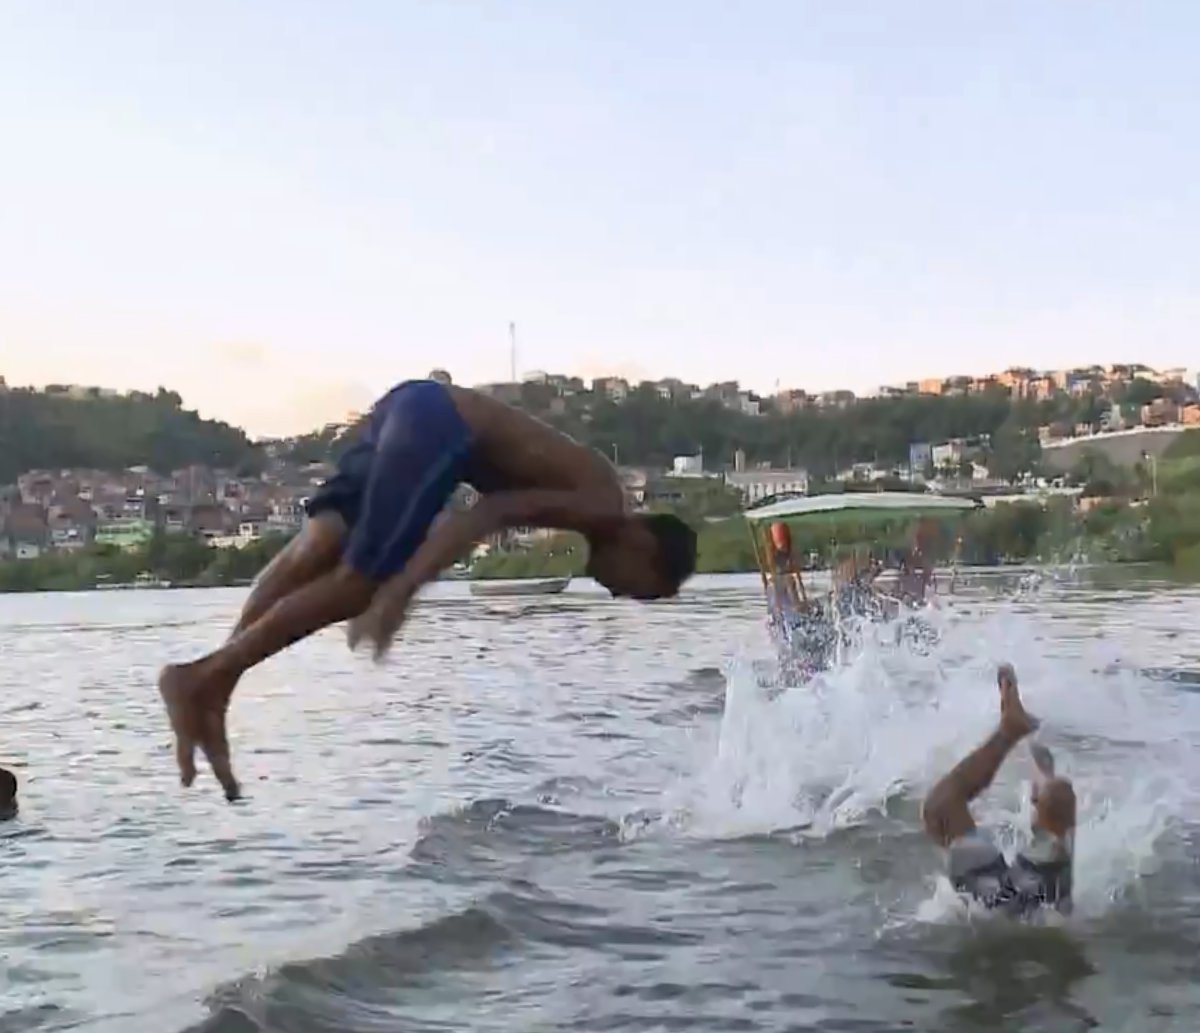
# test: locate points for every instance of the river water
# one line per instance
(575, 813)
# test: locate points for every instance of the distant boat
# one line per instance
(104, 582)
(526, 586)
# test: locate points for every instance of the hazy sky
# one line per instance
(280, 208)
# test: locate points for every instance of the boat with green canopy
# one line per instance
(881, 548)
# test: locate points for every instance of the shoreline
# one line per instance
(1014, 567)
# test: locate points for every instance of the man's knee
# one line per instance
(322, 536)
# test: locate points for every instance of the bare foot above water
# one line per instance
(1015, 720)
(196, 705)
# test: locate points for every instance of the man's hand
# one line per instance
(196, 702)
(383, 618)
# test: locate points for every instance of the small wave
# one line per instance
(362, 988)
(382, 982)
(484, 839)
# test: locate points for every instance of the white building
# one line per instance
(756, 485)
(688, 466)
(951, 453)
(616, 389)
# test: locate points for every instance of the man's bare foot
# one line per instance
(196, 703)
(1015, 721)
(381, 620)
(367, 627)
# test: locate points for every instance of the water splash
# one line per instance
(868, 739)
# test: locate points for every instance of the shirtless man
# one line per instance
(371, 540)
(1041, 873)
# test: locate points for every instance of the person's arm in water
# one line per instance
(583, 511)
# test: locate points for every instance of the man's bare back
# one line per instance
(515, 450)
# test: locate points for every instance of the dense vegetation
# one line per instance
(649, 430)
(1006, 534)
(179, 559)
(1162, 529)
(54, 429)
(40, 430)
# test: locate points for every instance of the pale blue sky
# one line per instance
(280, 208)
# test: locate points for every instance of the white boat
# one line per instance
(524, 586)
(810, 631)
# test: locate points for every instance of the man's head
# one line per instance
(645, 557)
(1052, 796)
(8, 794)
(1053, 802)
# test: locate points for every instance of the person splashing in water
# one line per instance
(377, 531)
(915, 576)
(1040, 875)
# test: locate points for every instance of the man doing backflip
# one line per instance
(377, 532)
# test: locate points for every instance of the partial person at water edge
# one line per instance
(1041, 874)
(377, 532)
(8, 795)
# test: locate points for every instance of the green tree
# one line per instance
(1015, 449)
(45, 430)
(1140, 392)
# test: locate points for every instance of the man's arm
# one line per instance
(563, 510)
(452, 536)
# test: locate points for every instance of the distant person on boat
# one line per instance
(370, 542)
(8, 795)
(915, 576)
(785, 577)
(854, 588)
(1040, 875)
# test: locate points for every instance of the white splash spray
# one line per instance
(832, 753)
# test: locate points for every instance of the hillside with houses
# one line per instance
(85, 467)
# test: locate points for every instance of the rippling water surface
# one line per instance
(575, 813)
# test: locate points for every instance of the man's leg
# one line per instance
(412, 471)
(946, 811)
(197, 694)
(313, 552)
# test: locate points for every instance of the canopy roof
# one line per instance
(883, 503)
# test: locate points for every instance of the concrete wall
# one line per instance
(1124, 448)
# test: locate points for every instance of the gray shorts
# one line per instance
(977, 866)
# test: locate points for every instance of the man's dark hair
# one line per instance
(676, 548)
(8, 794)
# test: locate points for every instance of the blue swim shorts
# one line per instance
(394, 481)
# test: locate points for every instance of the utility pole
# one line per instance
(512, 351)
(1153, 461)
